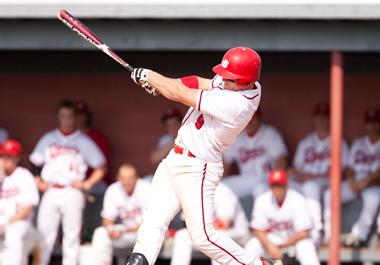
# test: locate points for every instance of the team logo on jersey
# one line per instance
(225, 63)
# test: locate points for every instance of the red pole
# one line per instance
(336, 102)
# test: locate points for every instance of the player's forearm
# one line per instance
(294, 239)
(96, 176)
(173, 90)
(107, 222)
(22, 214)
(262, 236)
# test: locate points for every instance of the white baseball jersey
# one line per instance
(364, 157)
(227, 207)
(129, 208)
(255, 155)
(281, 221)
(164, 140)
(65, 158)
(17, 190)
(313, 154)
(219, 117)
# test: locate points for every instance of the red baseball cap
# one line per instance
(322, 109)
(171, 113)
(278, 176)
(372, 115)
(81, 107)
(11, 148)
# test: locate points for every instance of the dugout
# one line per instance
(43, 62)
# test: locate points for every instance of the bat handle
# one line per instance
(129, 68)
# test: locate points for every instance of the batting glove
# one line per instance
(140, 75)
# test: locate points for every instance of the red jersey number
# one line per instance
(200, 122)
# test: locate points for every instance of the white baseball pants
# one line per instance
(305, 250)
(102, 245)
(371, 202)
(64, 205)
(14, 238)
(313, 191)
(187, 183)
(183, 246)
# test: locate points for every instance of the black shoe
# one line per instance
(137, 259)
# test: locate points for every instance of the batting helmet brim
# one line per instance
(223, 72)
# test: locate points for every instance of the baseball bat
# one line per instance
(82, 30)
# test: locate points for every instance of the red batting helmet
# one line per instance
(241, 63)
(11, 148)
(278, 176)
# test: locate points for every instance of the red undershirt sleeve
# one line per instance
(190, 81)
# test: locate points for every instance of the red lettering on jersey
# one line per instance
(280, 226)
(200, 121)
(362, 158)
(312, 156)
(8, 193)
(57, 150)
(247, 154)
(129, 214)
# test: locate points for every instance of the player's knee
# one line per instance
(370, 197)
(252, 245)
(100, 234)
(305, 244)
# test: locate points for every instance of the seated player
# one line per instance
(363, 177)
(125, 200)
(258, 149)
(18, 197)
(281, 223)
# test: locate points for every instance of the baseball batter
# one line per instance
(312, 165)
(18, 197)
(281, 223)
(257, 150)
(363, 169)
(64, 155)
(229, 219)
(124, 200)
(187, 178)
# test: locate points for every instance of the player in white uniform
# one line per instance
(124, 200)
(363, 169)
(18, 197)
(257, 150)
(171, 119)
(229, 219)
(281, 223)
(187, 178)
(312, 165)
(64, 155)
